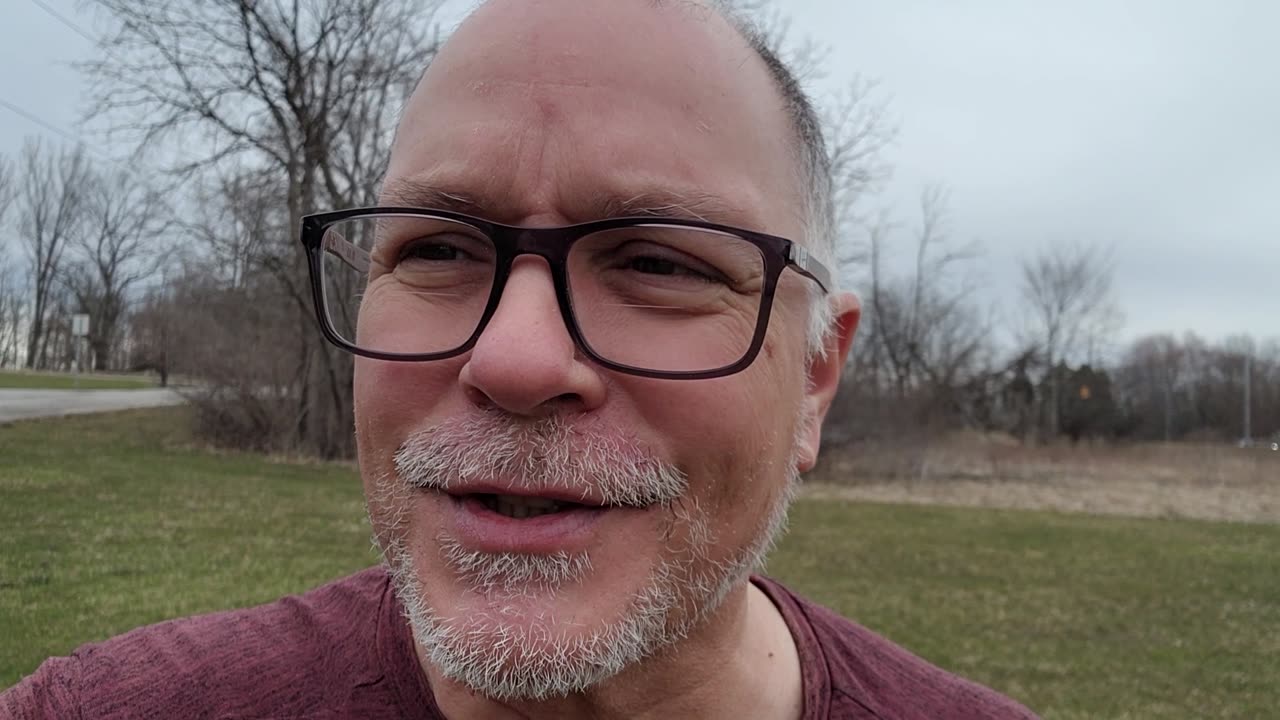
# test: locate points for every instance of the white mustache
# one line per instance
(537, 455)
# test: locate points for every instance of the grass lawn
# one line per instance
(114, 521)
(66, 381)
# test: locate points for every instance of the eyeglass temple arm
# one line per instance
(356, 258)
(809, 266)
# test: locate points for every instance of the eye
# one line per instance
(652, 260)
(430, 251)
(438, 249)
(656, 266)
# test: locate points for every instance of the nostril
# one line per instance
(558, 403)
(478, 397)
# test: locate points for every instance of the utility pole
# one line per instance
(1168, 408)
(1248, 419)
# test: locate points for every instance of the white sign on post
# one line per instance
(80, 325)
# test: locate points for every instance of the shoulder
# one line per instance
(879, 678)
(284, 657)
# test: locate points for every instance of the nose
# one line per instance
(525, 361)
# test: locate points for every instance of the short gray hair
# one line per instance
(814, 166)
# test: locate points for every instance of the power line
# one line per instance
(118, 164)
(50, 126)
(62, 19)
(32, 117)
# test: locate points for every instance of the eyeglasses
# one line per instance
(662, 298)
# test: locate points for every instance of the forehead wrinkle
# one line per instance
(696, 99)
(690, 205)
(419, 192)
(426, 192)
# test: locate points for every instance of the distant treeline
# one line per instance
(197, 272)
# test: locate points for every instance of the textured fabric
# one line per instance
(344, 651)
(850, 672)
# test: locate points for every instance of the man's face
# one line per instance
(539, 114)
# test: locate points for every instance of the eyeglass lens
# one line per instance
(657, 297)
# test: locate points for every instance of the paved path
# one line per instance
(26, 404)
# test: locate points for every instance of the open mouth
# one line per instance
(491, 520)
(521, 507)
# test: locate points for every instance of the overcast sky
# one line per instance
(1151, 126)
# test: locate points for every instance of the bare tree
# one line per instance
(923, 326)
(1178, 388)
(6, 186)
(237, 220)
(10, 294)
(118, 248)
(856, 123)
(303, 96)
(12, 290)
(50, 213)
(805, 57)
(11, 315)
(306, 91)
(919, 365)
(858, 131)
(1151, 372)
(1067, 288)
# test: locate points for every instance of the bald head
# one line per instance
(711, 25)
(699, 46)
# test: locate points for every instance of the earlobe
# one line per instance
(808, 439)
(824, 377)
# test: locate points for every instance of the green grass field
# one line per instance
(66, 381)
(114, 521)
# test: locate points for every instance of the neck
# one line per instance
(740, 662)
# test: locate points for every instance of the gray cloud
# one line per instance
(1150, 126)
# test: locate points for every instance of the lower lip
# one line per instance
(478, 528)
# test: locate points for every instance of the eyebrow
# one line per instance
(654, 203)
(411, 192)
(674, 205)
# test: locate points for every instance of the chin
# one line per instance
(513, 619)
(532, 636)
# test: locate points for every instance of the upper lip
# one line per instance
(585, 496)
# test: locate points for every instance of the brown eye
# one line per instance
(440, 249)
(431, 251)
(654, 266)
(669, 263)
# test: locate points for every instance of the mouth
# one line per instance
(523, 507)
(491, 520)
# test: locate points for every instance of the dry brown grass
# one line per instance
(1216, 482)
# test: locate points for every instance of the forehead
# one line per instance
(547, 107)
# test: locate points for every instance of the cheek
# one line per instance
(391, 400)
(733, 438)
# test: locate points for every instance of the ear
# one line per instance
(824, 378)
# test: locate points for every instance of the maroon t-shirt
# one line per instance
(344, 650)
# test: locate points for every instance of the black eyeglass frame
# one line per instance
(552, 244)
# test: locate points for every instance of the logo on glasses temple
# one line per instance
(350, 254)
(800, 256)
